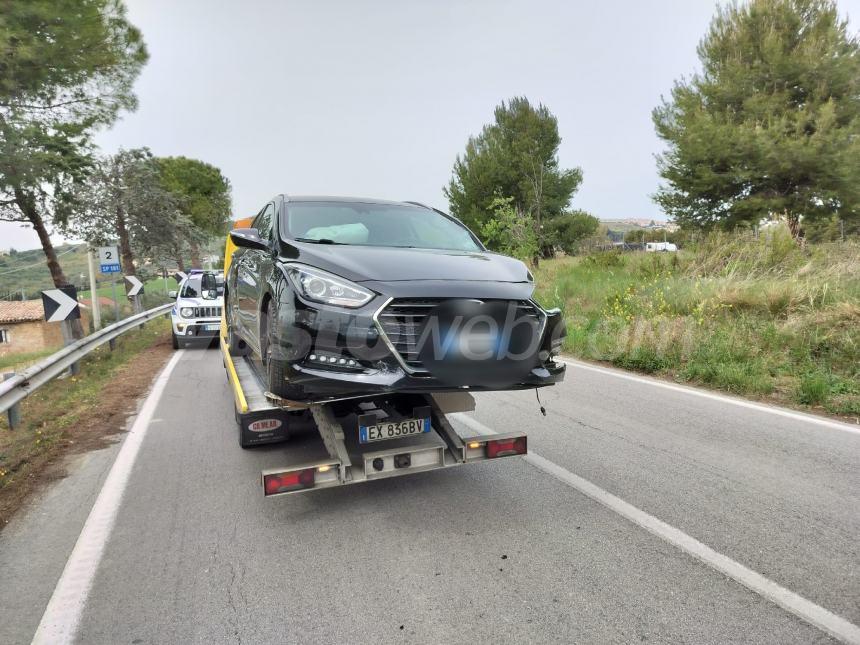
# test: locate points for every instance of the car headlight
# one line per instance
(187, 312)
(329, 289)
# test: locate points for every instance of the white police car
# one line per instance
(196, 315)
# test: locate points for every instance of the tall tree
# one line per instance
(203, 196)
(124, 199)
(66, 68)
(771, 125)
(516, 156)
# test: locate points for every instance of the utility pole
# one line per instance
(94, 292)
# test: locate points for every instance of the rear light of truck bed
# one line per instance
(278, 482)
(506, 447)
(288, 482)
(494, 446)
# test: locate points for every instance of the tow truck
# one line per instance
(348, 441)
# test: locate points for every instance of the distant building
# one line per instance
(23, 328)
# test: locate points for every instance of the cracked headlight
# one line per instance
(319, 286)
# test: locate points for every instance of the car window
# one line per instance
(368, 224)
(263, 222)
(193, 287)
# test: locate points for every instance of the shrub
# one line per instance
(813, 388)
(510, 232)
(603, 260)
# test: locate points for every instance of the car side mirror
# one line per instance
(248, 238)
(172, 294)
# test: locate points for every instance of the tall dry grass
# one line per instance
(760, 317)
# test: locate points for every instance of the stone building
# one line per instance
(23, 328)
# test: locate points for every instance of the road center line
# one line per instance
(63, 614)
(760, 407)
(804, 609)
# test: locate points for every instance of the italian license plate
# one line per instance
(392, 430)
(213, 327)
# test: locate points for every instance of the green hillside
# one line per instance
(27, 270)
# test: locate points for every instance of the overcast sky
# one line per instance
(377, 97)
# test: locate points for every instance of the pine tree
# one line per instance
(771, 125)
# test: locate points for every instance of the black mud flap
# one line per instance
(262, 427)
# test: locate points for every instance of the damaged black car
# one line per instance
(338, 298)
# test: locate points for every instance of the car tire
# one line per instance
(276, 369)
(174, 340)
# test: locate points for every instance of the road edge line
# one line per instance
(806, 610)
(715, 396)
(63, 612)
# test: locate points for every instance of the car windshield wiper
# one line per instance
(312, 240)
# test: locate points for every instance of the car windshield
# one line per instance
(368, 224)
(194, 287)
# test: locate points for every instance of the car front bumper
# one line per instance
(195, 327)
(318, 345)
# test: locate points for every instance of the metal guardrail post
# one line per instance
(68, 339)
(13, 414)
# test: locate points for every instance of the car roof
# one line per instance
(359, 200)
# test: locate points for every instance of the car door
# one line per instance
(250, 278)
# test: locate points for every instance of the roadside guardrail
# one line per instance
(21, 385)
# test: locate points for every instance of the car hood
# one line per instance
(199, 302)
(387, 264)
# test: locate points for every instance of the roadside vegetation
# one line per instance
(764, 318)
(77, 413)
(760, 178)
(14, 362)
(68, 71)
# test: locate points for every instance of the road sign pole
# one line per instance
(94, 292)
(68, 339)
(13, 414)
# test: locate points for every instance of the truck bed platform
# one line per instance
(341, 442)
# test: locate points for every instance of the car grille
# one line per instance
(207, 312)
(401, 321)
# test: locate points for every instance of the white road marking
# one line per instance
(760, 407)
(63, 614)
(804, 609)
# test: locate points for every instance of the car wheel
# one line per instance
(174, 340)
(276, 369)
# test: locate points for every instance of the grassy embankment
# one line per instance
(78, 413)
(761, 318)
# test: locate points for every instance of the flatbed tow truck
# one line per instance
(327, 442)
(330, 433)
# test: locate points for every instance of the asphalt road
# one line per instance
(510, 551)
